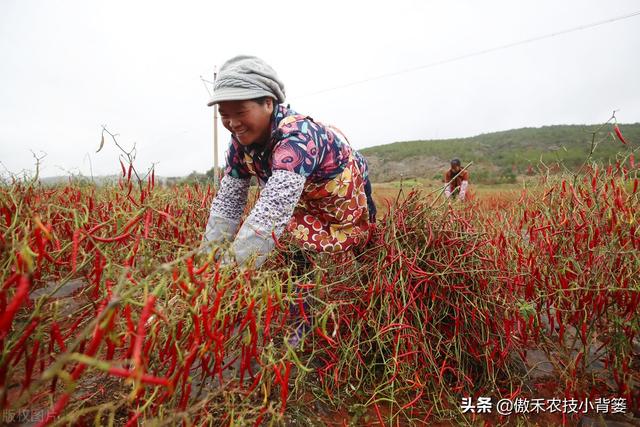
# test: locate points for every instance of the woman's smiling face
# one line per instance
(249, 121)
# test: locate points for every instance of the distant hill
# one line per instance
(498, 156)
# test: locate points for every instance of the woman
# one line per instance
(313, 184)
(457, 181)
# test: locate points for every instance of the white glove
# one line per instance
(219, 230)
(252, 241)
(447, 191)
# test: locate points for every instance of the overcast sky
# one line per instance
(68, 67)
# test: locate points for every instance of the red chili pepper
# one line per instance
(134, 251)
(285, 378)
(145, 378)
(74, 327)
(96, 227)
(30, 363)
(192, 277)
(111, 349)
(42, 252)
(202, 269)
(62, 401)
(7, 217)
(279, 245)
(184, 288)
(282, 377)
(260, 417)
(410, 404)
(133, 221)
(57, 336)
(302, 311)
(329, 340)
(16, 302)
(196, 328)
(55, 411)
(18, 348)
(98, 268)
(124, 172)
(578, 359)
(247, 317)
(619, 134)
(380, 420)
(267, 320)
(216, 303)
(147, 223)
(10, 281)
(189, 360)
(244, 362)
(206, 322)
(165, 214)
(174, 359)
(129, 172)
(127, 316)
(186, 391)
(74, 250)
(112, 239)
(254, 335)
(140, 332)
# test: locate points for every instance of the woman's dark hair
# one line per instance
(455, 162)
(263, 100)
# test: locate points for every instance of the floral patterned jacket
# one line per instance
(302, 146)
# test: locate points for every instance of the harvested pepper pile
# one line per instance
(109, 316)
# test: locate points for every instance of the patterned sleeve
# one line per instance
(297, 152)
(231, 198)
(226, 210)
(277, 200)
(236, 166)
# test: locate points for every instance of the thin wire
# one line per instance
(473, 54)
(204, 82)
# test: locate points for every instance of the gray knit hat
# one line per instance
(246, 77)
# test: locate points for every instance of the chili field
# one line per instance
(110, 316)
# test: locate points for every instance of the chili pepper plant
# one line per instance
(110, 313)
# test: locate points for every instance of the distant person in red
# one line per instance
(456, 181)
